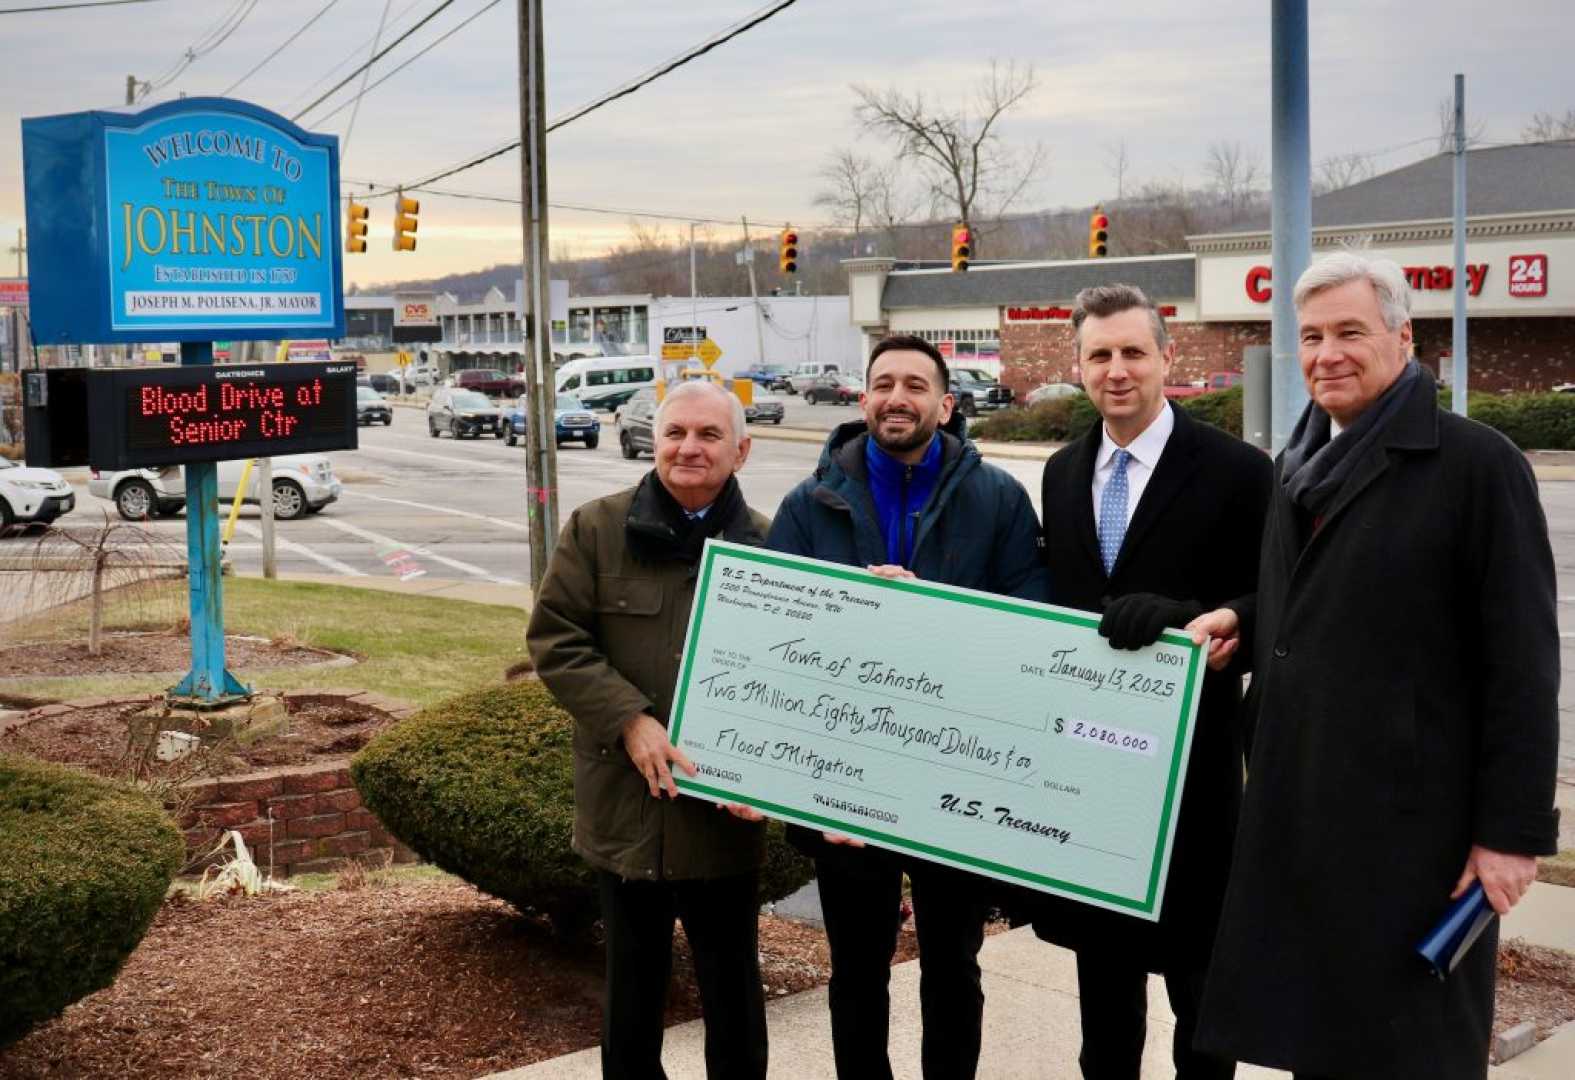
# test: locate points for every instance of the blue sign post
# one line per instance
(193, 220)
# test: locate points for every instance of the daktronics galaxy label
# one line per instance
(175, 415)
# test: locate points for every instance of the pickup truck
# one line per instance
(1217, 380)
(489, 381)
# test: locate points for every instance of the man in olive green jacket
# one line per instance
(606, 635)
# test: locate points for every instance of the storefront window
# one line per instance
(579, 326)
(621, 331)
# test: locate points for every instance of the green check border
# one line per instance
(1181, 745)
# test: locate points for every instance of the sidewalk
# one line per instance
(1031, 1018)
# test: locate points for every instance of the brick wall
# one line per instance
(1035, 353)
(1504, 354)
(296, 819)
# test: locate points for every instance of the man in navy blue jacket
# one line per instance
(903, 493)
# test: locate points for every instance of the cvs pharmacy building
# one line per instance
(1520, 255)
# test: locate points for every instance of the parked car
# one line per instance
(833, 389)
(370, 408)
(461, 413)
(384, 382)
(976, 391)
(770, 376)
(806, 373)
(1217, 380)
(1051, 391)
(571, 421)
(32, 494)
(489, 381)
(764, 409)
(302, 484)
(637, 424)
(424, 375)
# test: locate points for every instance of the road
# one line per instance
(459, 509)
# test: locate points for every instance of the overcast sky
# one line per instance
(746, 128)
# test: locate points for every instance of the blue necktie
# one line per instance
(1113, 512)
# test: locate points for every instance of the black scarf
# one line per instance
(1314, 467)
(660, 529)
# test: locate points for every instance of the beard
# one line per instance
(922, 431)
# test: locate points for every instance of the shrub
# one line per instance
(84, 865)
(1222, 408)
(1530, 421)
(1056, 420)
(482, 785)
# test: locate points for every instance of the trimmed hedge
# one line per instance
(1067, 418)
(482, 785)
(84, 866)
(1530, 421)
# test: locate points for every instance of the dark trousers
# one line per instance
(1113, 1000)
(720, 918)
(860, 897)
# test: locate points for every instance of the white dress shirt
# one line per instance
(1145, 451)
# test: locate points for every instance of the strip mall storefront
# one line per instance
(1520, 306)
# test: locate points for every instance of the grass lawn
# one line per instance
(417, 648)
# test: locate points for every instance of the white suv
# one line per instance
(302, 484)
(30, 494)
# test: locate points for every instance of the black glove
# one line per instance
(1137, 619)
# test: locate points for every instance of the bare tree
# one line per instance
(1341, 171)
(1116, 161)
(1233, 173)
(971, 174)
(850, 180)
(1545, 127)
(1446, 127)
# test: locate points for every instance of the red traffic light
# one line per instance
(1100, 222)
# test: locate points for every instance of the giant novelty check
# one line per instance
(990, 734)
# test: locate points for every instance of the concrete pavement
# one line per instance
(1031, 1026)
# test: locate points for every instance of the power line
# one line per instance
(215, 36)
(69, 7)
(344, 148)
(428, 48)
(625, 90)
(375, 58)
(348, 58)
(228, 90)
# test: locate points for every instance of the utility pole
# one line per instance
(131, 89)
(1457, 402)
(749, 261)
(694, 302)
(541, 457)
(19, 250)
(1291, 212)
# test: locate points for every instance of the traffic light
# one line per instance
(405, 211)
(355, 228)
(787, 257)
(962, 246)
(1098, 233)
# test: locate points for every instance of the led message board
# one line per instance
(193, 220)
(170, 416)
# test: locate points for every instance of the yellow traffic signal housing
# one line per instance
(405, 211)
(962, 246)
(355, 228)
(1098, 234)
(787, 258)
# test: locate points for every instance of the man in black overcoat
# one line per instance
(1403, 711)
(1153, 518)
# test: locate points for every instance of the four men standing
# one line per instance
(1399, 735)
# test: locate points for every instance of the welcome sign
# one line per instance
(192, 220)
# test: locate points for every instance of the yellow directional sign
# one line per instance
(678, 350)
(710, 352)
(403, 359)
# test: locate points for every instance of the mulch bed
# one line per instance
(418, 979)
(1534, 984)
(143, 654)
(98, 739)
